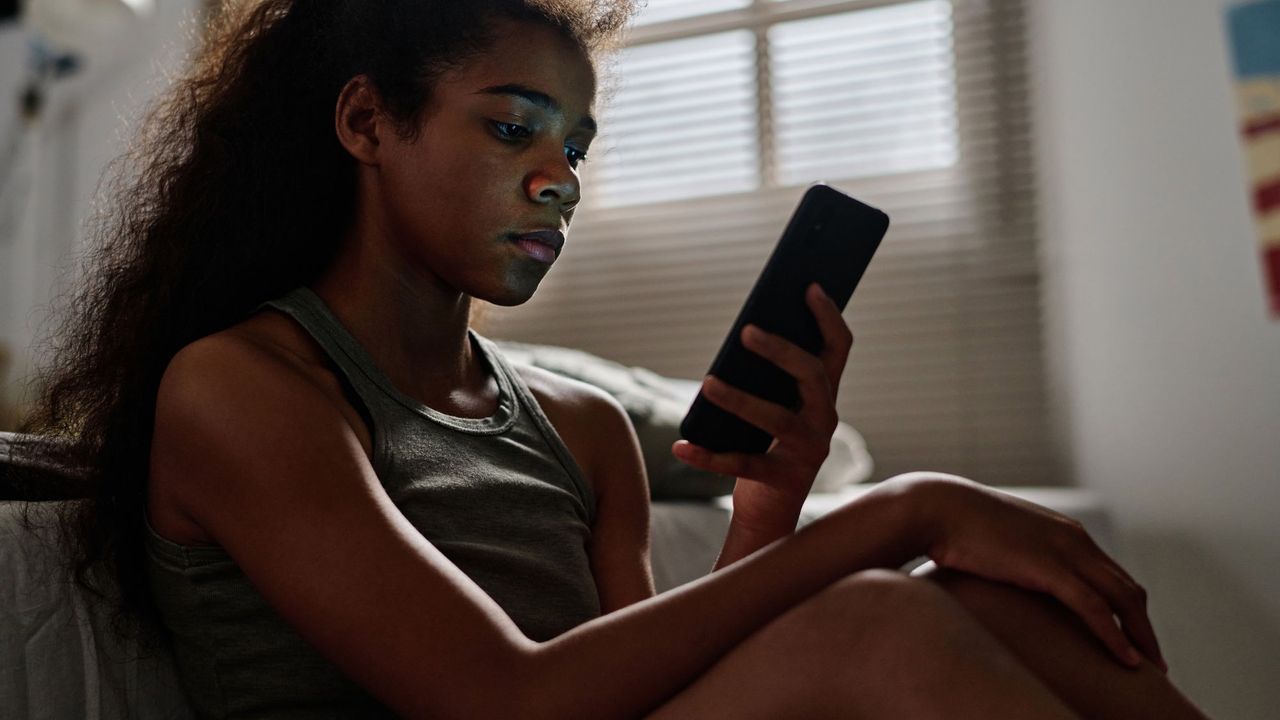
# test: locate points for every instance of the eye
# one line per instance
(506, 130)
(512, 133)
(579, 160)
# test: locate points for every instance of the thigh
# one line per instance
(778, 671)
(874, 645)
(1057, 646)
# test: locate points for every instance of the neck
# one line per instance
(414, 328)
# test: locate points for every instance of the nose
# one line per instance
(555, 183)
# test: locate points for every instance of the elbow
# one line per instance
(506, 686)
(534, 690)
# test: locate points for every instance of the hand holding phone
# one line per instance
(785, 473)
(829, 241)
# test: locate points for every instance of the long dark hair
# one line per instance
(234, 191)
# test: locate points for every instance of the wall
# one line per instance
(49, 191)
(1165, 365)
(13, 181)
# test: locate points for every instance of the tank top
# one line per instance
(501, 497)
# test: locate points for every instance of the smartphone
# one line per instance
(829, 240)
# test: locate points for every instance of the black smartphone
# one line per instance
(829, 240)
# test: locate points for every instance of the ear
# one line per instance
(360, 121)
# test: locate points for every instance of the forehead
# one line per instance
(534, 62)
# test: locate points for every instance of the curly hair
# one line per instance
(234, 191)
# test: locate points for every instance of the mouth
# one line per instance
(541, 245)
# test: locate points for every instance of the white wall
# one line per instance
(1166, 365)
(85, 123)
(13, 181)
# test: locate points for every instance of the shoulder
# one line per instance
(262, 344)
(591, 422)
(224, 393)
(214, 372)
(554, 391)
(268, 349)
(232, 381)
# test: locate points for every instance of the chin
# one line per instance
(511, 294)
(507, 301)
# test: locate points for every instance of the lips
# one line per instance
(553, 239)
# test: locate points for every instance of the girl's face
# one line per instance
(499, 154)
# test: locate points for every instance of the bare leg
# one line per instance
(1055, 645)
(876, 644)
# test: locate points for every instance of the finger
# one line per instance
(1127, 597)
(770, 417)
(837, 338)
(807, 369)
(1085, 602)
(1129, 600)
(751, 466)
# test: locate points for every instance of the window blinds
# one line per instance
(724, 112)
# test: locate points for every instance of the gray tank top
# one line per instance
(500, 496)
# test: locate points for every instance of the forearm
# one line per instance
(628, 662)
(744, 538)
(761, 515)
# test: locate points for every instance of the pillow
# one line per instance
(656, 405)
(60, 657)
(38, 468)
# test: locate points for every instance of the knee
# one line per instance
(877, 604)
(868, 624)
(986, 598)
(879, 591)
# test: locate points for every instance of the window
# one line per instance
(724, 112)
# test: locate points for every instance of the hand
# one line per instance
(774, 484)
(1001, 537)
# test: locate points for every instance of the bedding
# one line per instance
(656, 404)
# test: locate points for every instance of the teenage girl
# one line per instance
(334, 498)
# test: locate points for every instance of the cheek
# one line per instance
(415, 194)
(442, 211)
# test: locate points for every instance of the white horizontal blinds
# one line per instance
(867, 93)
(685, 124)
(916, 107)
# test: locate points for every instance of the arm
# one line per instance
(268, 467)
(744, 539)
(597, 430)
(771, 487)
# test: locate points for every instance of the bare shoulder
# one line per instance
(264, 343)
(275, 345)
(221, 386)
(563, 392)
(588, 419)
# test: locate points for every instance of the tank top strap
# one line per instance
(543, 423)
(374, 387)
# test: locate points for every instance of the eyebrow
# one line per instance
(537, 97)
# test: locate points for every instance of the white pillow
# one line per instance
(59, 658)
